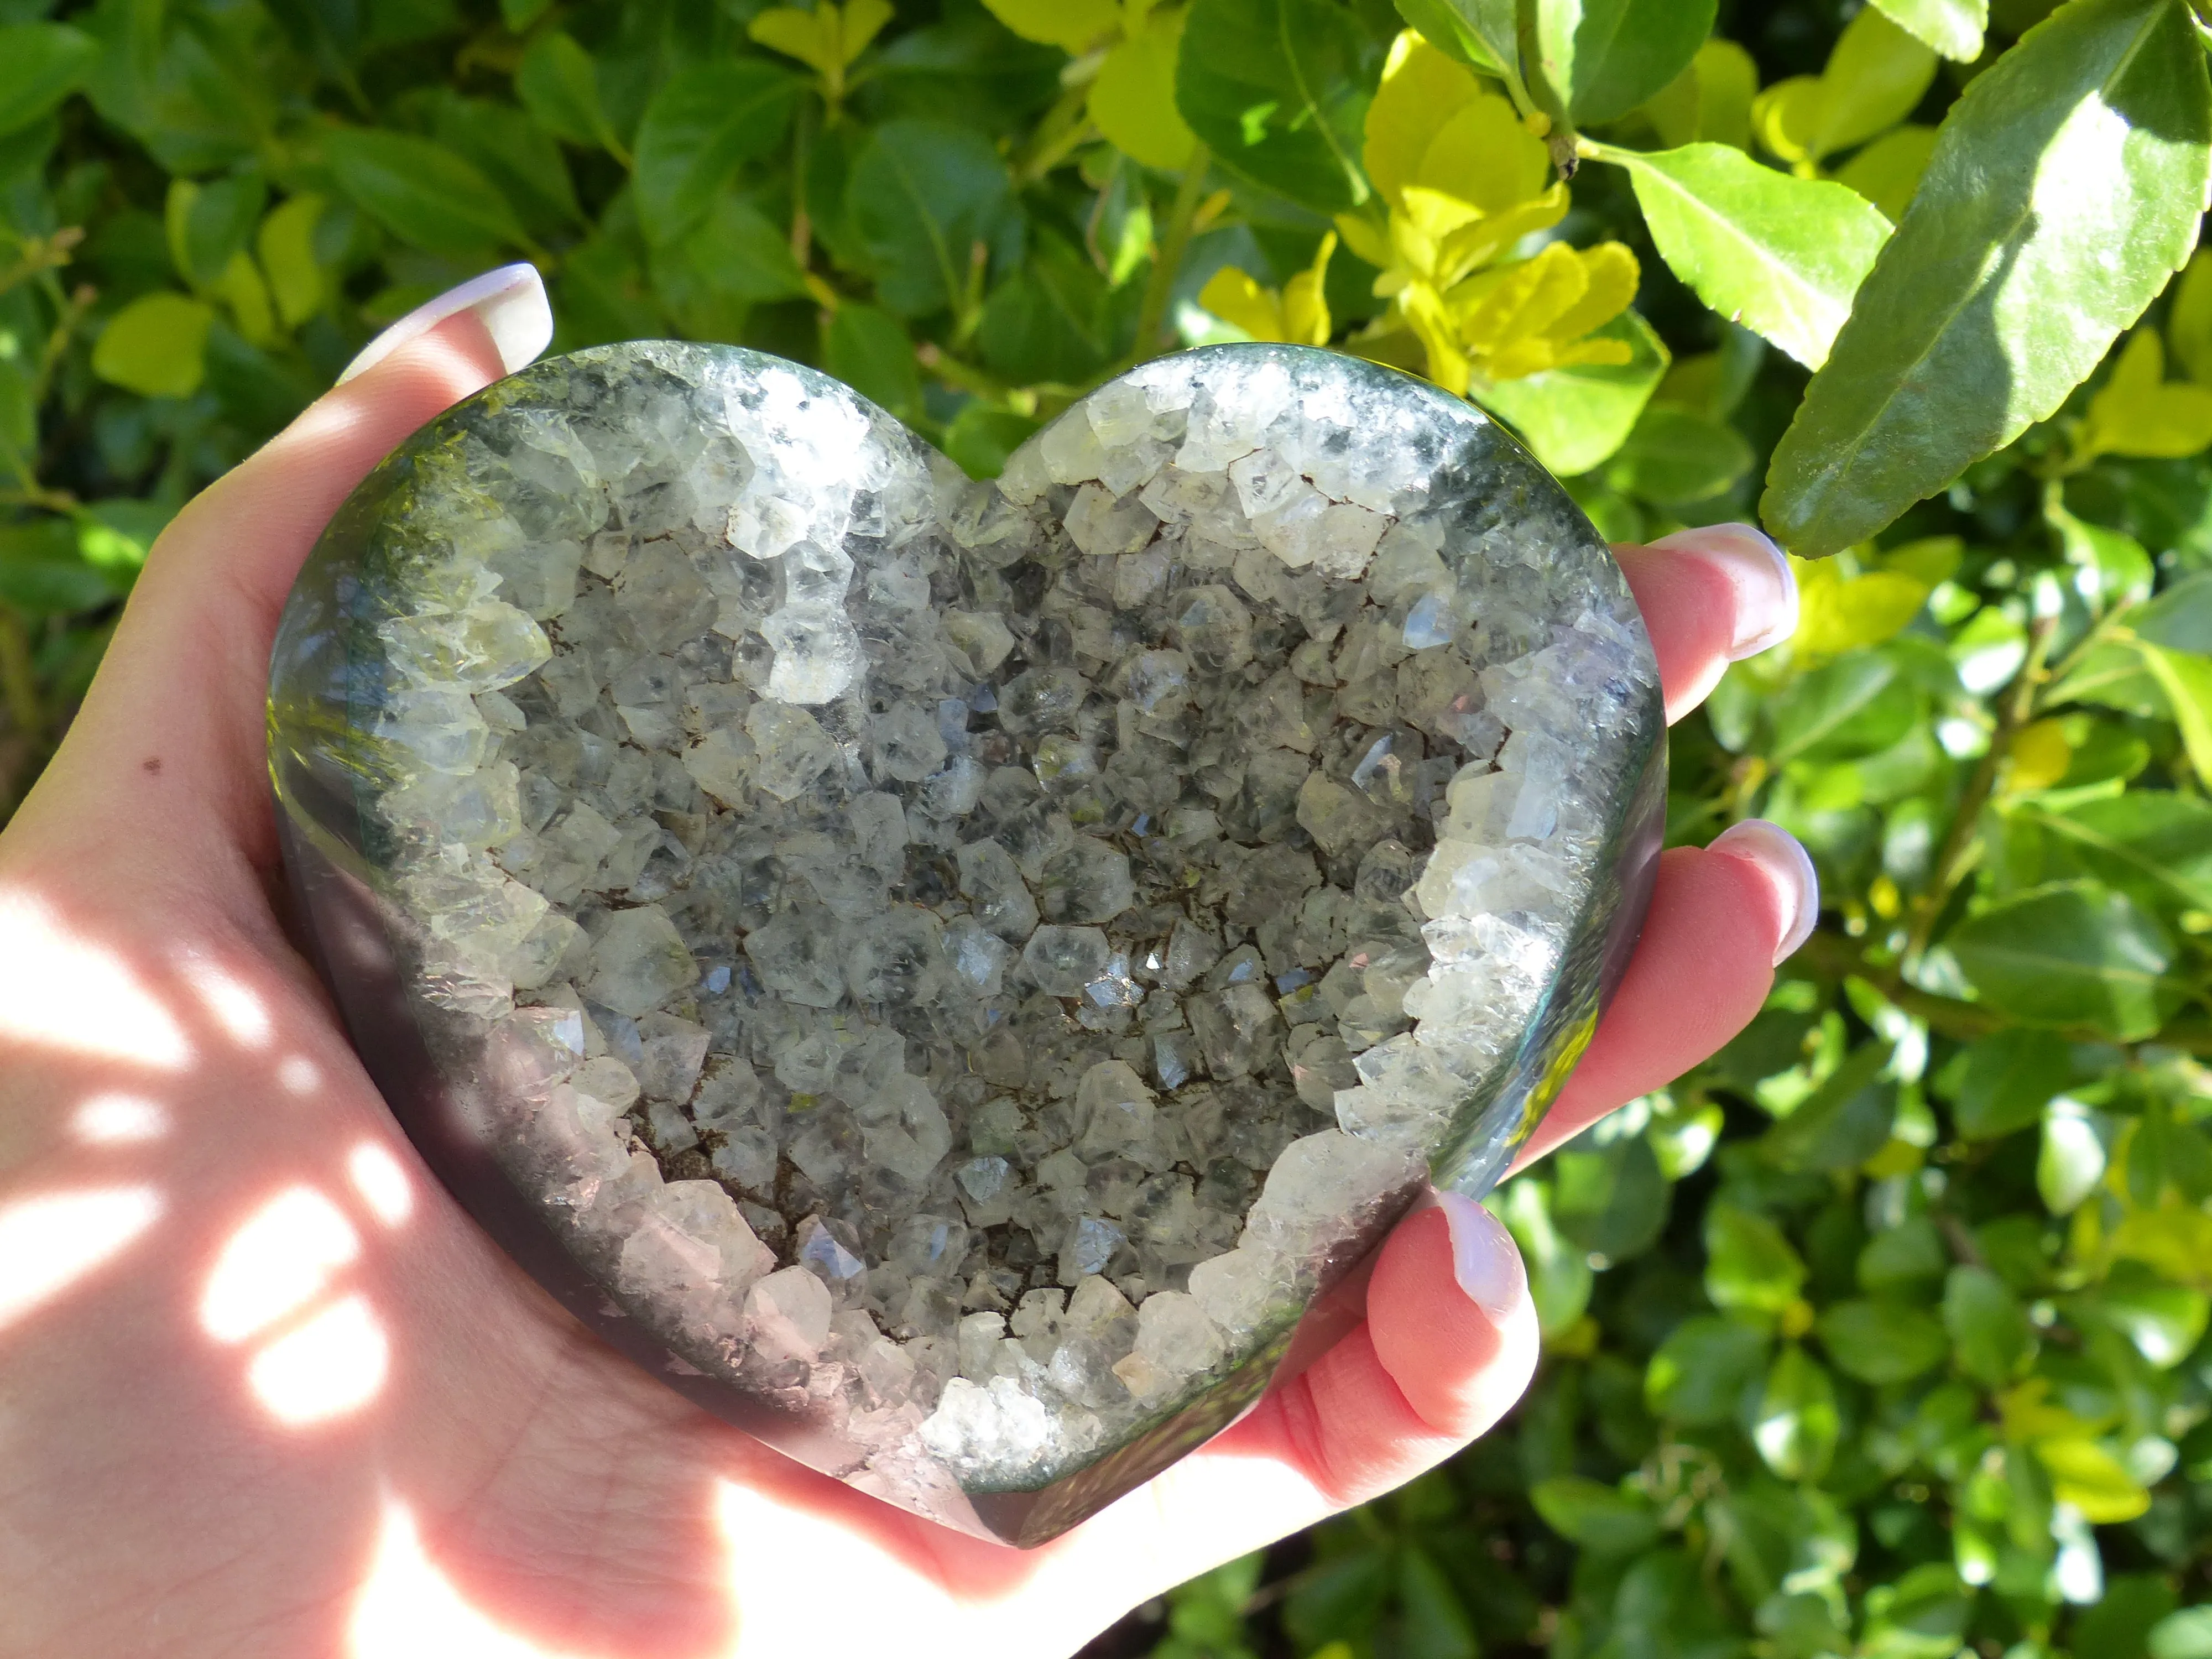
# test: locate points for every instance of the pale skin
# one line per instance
(266, 1389)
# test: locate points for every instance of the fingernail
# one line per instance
(510, 302)
(1766, 587)
(1787, 865)
(1485, 1259)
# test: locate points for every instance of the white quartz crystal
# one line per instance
(975, 958)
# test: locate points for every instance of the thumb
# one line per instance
(170, 738)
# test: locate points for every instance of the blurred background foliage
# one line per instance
(1882, 1334)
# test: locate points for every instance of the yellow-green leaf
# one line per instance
(808, 36)
(2085, 1475)
(286, 245)
(1837, 613)
(1888, 171)
(2139, 412)
(1070, 25)
(1953, 27)
(155, 346)
(241, 289)
(2187, 679)
(1874, 77)
(1132, 100)
(2189, 322)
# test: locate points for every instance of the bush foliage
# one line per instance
(1883, 1332)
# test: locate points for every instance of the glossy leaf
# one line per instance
(702, 127)
(1796, 1424)
(2065, 188)
(1601, 58)
(1483, 34)
(1750, 1265)
(1881, 1342)
(1782, 255)
(1276, 89)
(2071, 954)
(1874, 78)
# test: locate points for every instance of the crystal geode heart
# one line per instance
(952, 974)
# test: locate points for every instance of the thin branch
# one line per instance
(1159, 287)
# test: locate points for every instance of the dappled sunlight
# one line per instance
(383, 1184)
(239, 1011)
(118, 1120)
(49, 1241)
(329, 1367)
(408, 1609)
(277, 1261)
(58, 991)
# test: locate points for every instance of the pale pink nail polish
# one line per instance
(1787, 865)
(1485, 1259)
(1765, 586)
(510, 302)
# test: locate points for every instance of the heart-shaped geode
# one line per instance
(947, 974)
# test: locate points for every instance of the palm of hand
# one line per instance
(268, 1391)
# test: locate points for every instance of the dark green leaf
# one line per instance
(559, 85)
(1840, 710)
(1609, 1200)
(517, 155)
(2118, 1627)
(1988, 1327)
(1904, 1260)
(1603, 57)
(1276, 89)
(1482, 34)
(733, 259)
(1704, 1368)
(40, 65)
(1603, 1519)
(208, 223)
(1844, 1121)
(2071, 954)
(423, 192)
(2153, 842)
(868, 350)
(1434, 1623)
(2064, 189)
(2007, 1080)
(1881, 1342)
(1050, 321)
(924, 196)
(41, 572)
(702, 127)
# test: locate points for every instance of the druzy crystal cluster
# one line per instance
(961, 964)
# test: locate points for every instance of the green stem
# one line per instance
(1160, 285)
(1962, 843)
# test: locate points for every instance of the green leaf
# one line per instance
(1132, 100)
(1604, 1520)
(2189, 319)
(1881, 1342)
(519, 15)
(1844, 1121)
(2164, 1320)
(1603, 58)
(1989, 1333)
(285, 245)
(1704, 1368)
(1782, 255)
(868, 350)
(1839, 711)
(40, 65)
(1049, 321)
(2184, 1635)
(1751, 1267)
(155, 346)
(1610, 1199)
(923, 196)
(1481, 33)
(1673, 457)
(421, 192)
(2074, 953)
(2187, 679)
(1953, 27)
(981, 438)
(733, 259)
(704, 124)
(207, 224)
(2119, 1625)
(1433, 1620)
(2065, 188)
(1572, 419)
(517, 155)
(559, 84)
(2071, 1158)
(1888, 171)
(1796, 1424)
(2180, 619)
(2154, 843)
(41, 573)
(2009, 1079)
(1275, 88)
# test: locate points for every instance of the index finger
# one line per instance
(1710, 596)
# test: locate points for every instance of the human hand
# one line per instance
(268, 1391)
